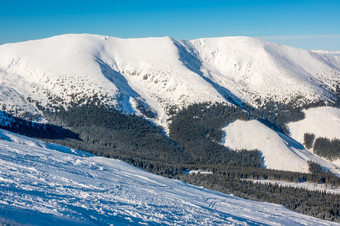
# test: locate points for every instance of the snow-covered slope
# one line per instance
(43, 185)
(279, 151)
(251, 68)
(120, 71)
(321, 121)
(159, 72)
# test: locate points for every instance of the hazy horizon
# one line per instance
(308, 24)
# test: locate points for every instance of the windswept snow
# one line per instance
(279, 151)
(161, 72)
(43, 186)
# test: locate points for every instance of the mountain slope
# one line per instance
(154, 77)
(252, 68)
(279, 151)
(322, 121)
(160, 73)
(121, 72)
(50, 184)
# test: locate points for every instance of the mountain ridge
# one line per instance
(162, 72)
(152, 77)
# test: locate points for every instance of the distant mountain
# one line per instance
(161, 73)
(157, 77)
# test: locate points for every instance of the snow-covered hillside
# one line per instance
(251, 68)
(159, 73)
(321, 121)
(279, 151)
(49, 184)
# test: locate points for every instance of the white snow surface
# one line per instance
(43, 185)
(160, 72)
(278, 151)
(321, 121)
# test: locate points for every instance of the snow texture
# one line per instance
(44, 185)
(278, 151)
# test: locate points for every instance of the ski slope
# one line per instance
(160, 73)
(278, 151)
(43, 183)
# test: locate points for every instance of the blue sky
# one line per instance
(309, 24)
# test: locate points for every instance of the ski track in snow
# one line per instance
(63, 186)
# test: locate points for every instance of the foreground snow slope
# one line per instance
(160, 72)
(61, 186)
(279, 151)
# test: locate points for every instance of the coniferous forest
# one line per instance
(193, 143)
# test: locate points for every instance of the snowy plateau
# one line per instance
(42, 183)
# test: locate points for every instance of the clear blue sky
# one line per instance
(309, 24)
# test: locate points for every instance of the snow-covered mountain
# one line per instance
(43, 184)
(159, 73)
